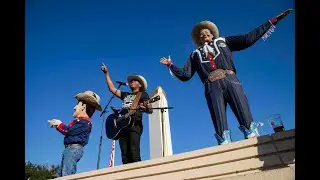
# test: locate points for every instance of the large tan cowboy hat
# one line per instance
(139, 78)
(90, 98)
(203, 25)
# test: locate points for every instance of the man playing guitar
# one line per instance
(129, 140)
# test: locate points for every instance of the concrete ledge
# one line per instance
(242, 157)
(286, 173)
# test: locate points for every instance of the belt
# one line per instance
(218, 74)
(68, 145)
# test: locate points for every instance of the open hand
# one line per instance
(165, 61)
(54, 122)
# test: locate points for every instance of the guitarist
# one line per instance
(129, 140)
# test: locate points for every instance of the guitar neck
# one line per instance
(157, 98)
(129, 114)
(132, 111)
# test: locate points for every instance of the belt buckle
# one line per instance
(230, 72)
(69, 145)
(216, 75)
(219, 76)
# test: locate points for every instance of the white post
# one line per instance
(159, 128)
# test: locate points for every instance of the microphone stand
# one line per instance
(104, 111)
(162, 126)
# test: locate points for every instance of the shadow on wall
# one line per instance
(277, 150)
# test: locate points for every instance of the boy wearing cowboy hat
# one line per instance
(130, 140)
(77, 132)
(213, 62)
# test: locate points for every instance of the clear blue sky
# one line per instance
(66, 41)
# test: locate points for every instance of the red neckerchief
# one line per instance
(211, 59)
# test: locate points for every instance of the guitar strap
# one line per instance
(135, 102)
(133, 106)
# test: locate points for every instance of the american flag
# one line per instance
(111, 161)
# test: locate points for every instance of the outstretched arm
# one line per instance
(110, 84)
(237, 43)
(183, 74)
(76, 128)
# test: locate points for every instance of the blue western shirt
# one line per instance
(223, 48)
(77, 131)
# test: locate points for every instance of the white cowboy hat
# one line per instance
(141, 79)
(90, 98)
(195, 34)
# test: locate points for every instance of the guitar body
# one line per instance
(122, 120)
(114, 132)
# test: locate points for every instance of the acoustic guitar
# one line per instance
(120, 120)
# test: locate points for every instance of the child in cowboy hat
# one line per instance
(213, 62)
(130, 140)
(77, 132)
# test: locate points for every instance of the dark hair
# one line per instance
(140, 88)
(90, 109)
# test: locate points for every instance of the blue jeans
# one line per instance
(227, 91)
(70, 157)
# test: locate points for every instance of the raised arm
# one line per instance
(237, 43)
(183, 74)
(110, 84)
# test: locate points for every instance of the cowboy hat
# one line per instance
(203, 25)
(90, 98)
(139, 78)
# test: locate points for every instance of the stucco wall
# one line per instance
(265, 157)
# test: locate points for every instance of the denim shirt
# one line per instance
(77, 131)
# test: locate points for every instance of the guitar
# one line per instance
(120, 120)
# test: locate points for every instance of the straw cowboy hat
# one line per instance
(203, 25)
(139, 78)
(90, 98)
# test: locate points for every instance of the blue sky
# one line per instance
(66, 41)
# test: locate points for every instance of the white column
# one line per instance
(159, 128)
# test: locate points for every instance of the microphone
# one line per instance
(122, 83)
